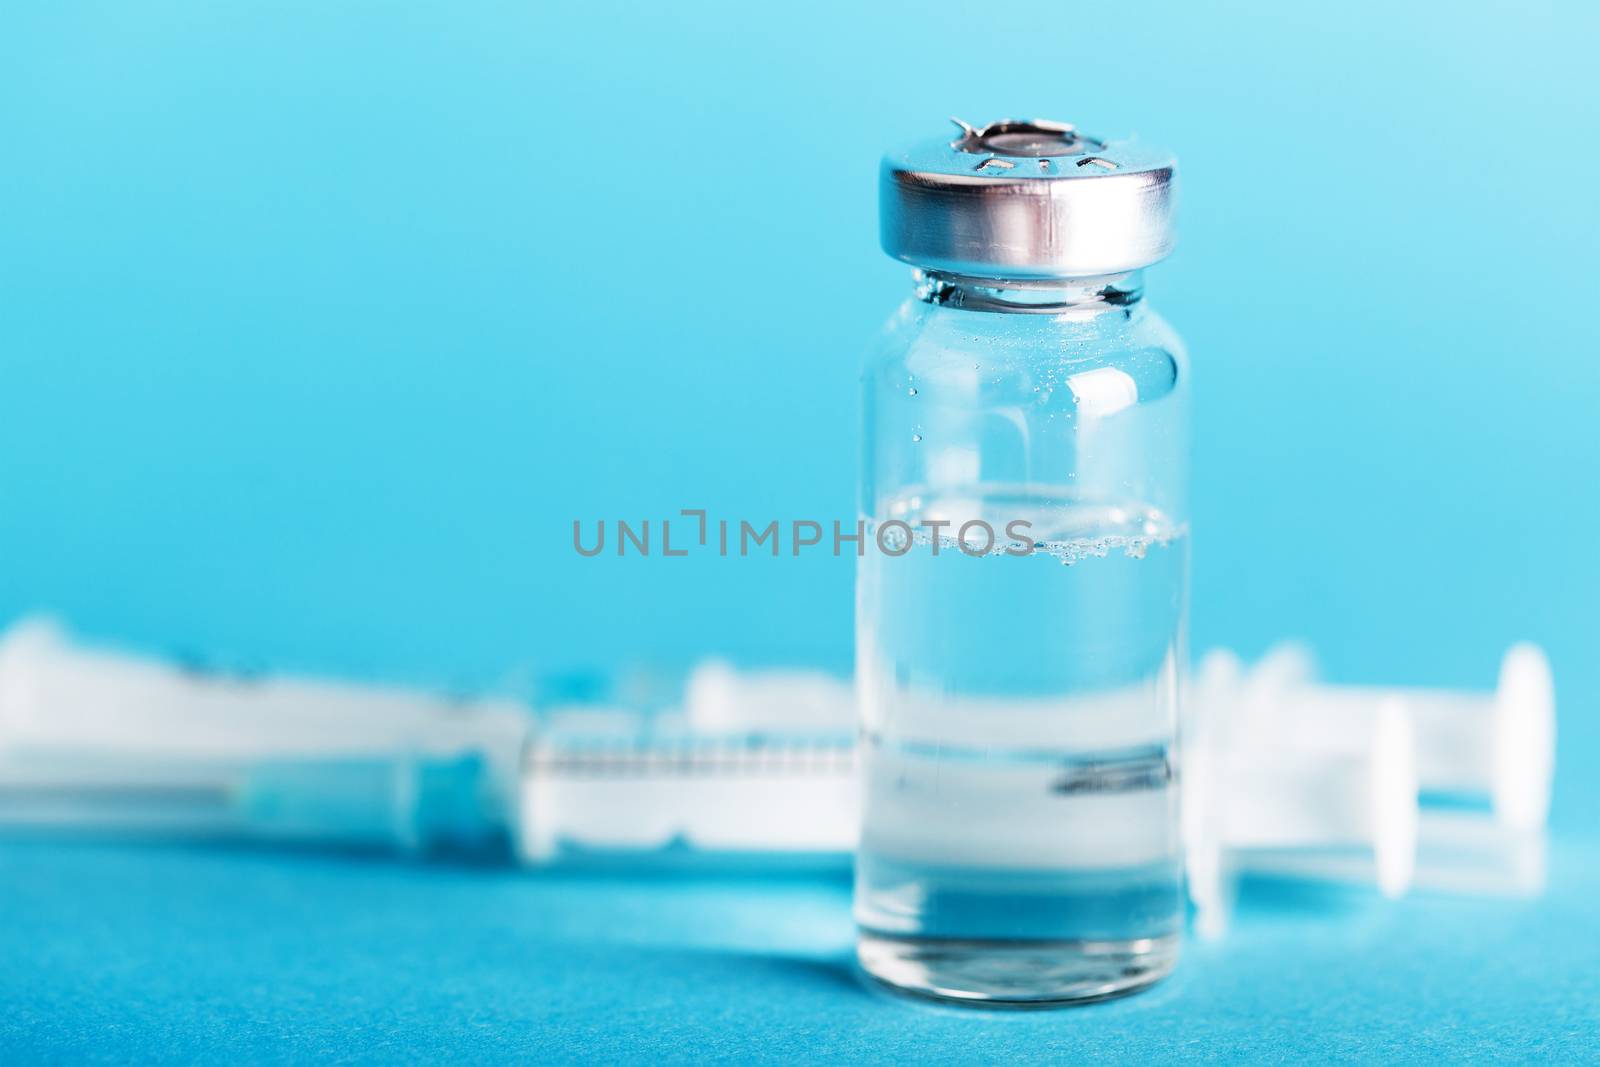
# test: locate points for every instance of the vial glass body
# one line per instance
(1020, 640)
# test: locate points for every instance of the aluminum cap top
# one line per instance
(1034, 199)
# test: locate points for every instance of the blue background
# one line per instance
(322, 323)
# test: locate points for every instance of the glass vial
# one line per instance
(1021, 602)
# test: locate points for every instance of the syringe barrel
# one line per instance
(1499, 745)
(1466, 852)
(57, 694)
(1454, 731)
(709, 797)
(1280, 799)
(275, 758)
(1296, 801)
(408, 803)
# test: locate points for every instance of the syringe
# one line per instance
(1294, 779)
(106, 743)
(96, 741)
(1497, 747)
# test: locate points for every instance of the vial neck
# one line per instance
(1039, 296)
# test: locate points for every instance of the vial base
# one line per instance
(1017, 974)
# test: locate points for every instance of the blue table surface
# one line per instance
(117, 953)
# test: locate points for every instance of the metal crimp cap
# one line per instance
(1034, 199)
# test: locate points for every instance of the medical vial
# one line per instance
(1021, 595)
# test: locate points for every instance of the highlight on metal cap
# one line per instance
(1027, 200)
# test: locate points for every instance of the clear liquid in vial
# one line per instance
(1020, 825)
